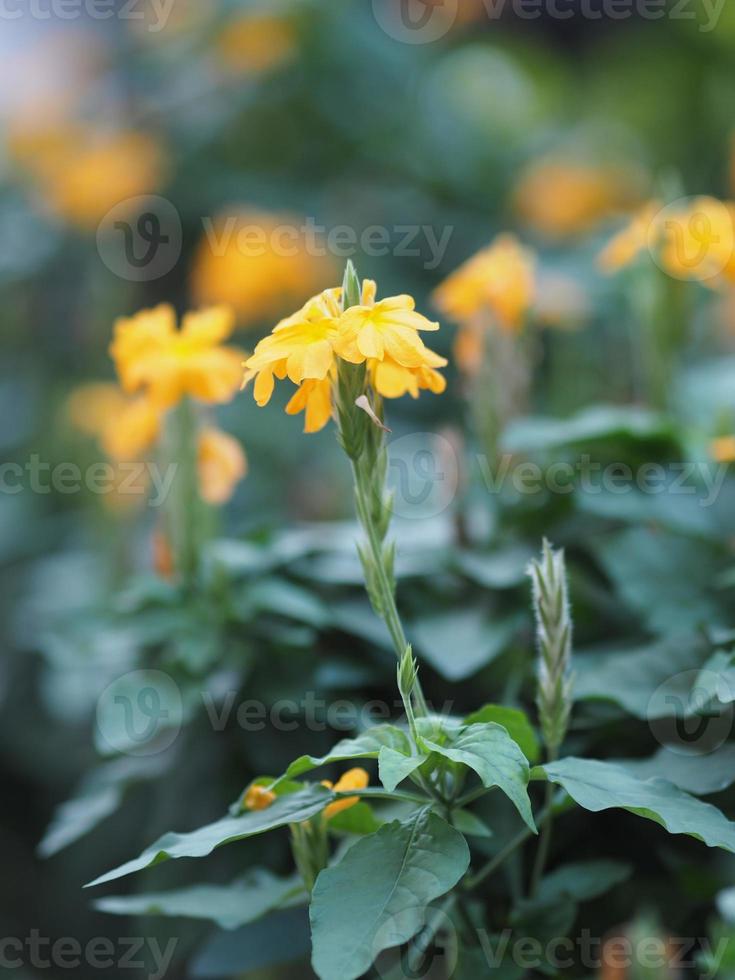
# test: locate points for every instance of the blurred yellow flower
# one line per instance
(256, 43)
(722, 450)
(82, 174)
(258, 797)
(352, 779)
(125, 427)
(559, 198)
(633, 239)
(151, 354)
(500, 279)
(257, 262)
(698, 241)
(221, 464)
(306, 347)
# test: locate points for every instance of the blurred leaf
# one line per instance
(459, 643)
(503, 569)
(230, 906)
(469, 824)
(594, 424)
(667, 580)
(255, 946)
(696, 774)
(648, 680)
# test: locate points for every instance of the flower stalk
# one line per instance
(362, 436)
(185, 517)
(555, 679)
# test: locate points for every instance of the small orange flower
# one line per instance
(258, 797)
(353, 779)
(722, 450)
(256, 43)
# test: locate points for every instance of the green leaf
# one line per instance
(230, 906)
(291, 808)
(357, 819)
(515, 722)
(716, 680)
(597, 786)
(469, 824)
(365, 746)
(489, 751)
(374, 898)
(696, 774)
(665, 578)
(592, 424)
(258, 945)
(643, 679)
(458, 643)
(503, 569)
(394, 767)
(582, 881)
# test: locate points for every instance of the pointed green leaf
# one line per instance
(460, 642)
(292, 808)
(230, 906)
(597, 786)
(394, 767)
(469, 824)
(696, 774)
(489, 751)
(357, 819)
(365, 746)
(515, 722)
(374, 898)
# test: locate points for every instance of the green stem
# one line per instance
(494, 863)
(547, 827)
(185, 509)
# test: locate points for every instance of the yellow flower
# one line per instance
(126, 427)
(258, 797)
(501, 279)
(699, 241)
(352, 779)
(151, 354)
(388, 328)
(221, 463)
(82, 175)
(315, 398)
(256, 43)
(258, 263)
(633, 239)
(561, 198)
(722, 450)
(307, 346)
(133, 431)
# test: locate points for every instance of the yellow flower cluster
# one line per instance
(693, 241)
(495, 286)
(255, 43)
(158, 365)
(306, 347)
(259, 797)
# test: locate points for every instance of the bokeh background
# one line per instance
(270, 114)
